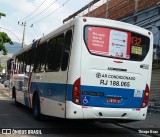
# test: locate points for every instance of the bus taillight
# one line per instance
(146, 97)
(76, 92)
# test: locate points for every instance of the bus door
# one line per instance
(26, 85)
(114, 68)
(66, 56)
(18, 79)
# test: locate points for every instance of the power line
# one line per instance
(31, 35)
(34, 10)
(50, 13)
(35, 31)
(42, 11)
(11, 32)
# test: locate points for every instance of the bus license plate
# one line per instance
(113, 100)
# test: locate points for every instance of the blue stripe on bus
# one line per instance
(50, 90)
(127, 97)
(57, 92)
(26, 101)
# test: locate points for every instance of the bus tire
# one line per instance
(13, 92)
(14, 96)
(36, 107)
(15, 100)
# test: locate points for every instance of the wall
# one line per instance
(117, 9)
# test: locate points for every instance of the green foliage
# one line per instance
(2, 14)
(1, 68)
(4, 39)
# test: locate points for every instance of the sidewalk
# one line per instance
(1, 85)
(152, 122)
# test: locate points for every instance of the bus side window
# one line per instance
(30, 60)
(21, 64)
(13, 67)
(25, 54)
(40, 58)
(16, 65)
(51, 52)
(60, 46)
(67, 50)
(54, 53)
(9, 66)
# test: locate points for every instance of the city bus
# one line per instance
(89, 68)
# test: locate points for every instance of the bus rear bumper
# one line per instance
(74, 111)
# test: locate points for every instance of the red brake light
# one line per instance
(146, 97)
(149, 33)
(84, 19)
(76, 92)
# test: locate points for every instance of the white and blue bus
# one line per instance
(89, 68)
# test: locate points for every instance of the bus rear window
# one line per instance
(116, 43)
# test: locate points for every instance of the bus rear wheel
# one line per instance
(14, 96)
(36, 108)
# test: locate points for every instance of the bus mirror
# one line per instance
(65, 60)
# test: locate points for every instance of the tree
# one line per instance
(1, 68)
(2, 14)
(4, 38)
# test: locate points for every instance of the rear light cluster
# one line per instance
(146, 97)
(76, 92)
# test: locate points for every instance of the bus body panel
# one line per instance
(74, 71)
(103, 80)
(74, 112)
(57, 108)
(17, 81)
(125, 89)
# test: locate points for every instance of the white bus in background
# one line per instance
(89, 68)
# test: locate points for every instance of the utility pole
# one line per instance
(107, 8)
(81, 10)
(135, 6)
(24, 31)
(89, 7)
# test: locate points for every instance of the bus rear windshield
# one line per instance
(116, 43)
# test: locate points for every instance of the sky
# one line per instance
(18, 10)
